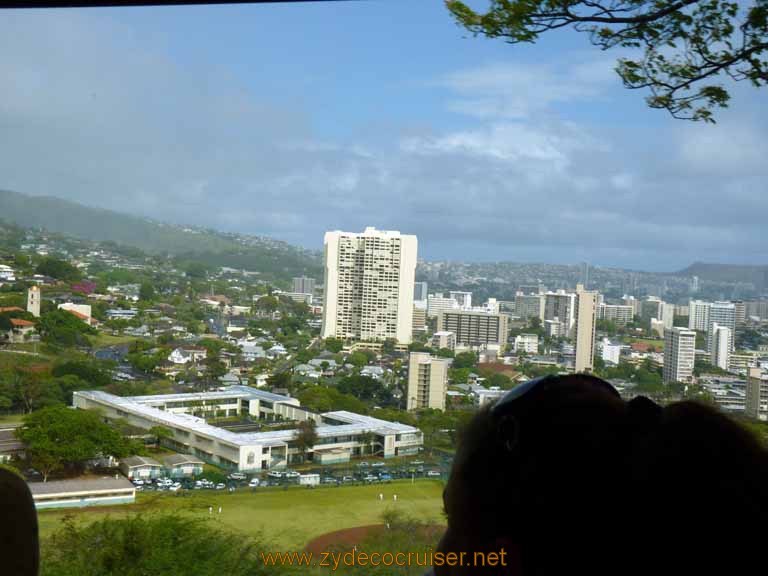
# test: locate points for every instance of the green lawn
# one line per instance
(103, 340)
(11, 418)
(658, 344)
(287, 518)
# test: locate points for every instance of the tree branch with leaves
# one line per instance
(687, 46)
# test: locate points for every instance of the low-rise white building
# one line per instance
(610, 352)
(528, 343)
(82, 492)
(444, 339)
(250, 451)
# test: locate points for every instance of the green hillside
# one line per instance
(72, 219)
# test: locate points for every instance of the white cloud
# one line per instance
(517, 90)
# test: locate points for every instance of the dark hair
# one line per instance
(564, 469)
(599, 485)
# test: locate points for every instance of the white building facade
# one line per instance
(369, 285)
(679, 355)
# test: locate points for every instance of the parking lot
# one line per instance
(375, 472)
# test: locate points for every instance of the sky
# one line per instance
(290, 120)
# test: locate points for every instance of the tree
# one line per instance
(279, 380)
(388, 346)
(306, 437)
(358, 359)
(445, 353)
(267, 304)
(160, 433)
(464, 360)
(58, 269)
(688, 45)
(329, 399)
(367, 389)
(59, 437)
(64, 329)
(147, 291)
(333, 345)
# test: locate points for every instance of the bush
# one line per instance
(141, 545)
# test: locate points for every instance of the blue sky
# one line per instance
(287, 120)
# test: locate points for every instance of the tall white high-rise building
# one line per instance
(698, 315)
(679, 354)
(427, 381)
(720, 352)
(585, 321)
(369, 280)
(722, 314)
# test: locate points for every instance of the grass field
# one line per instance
(658, 344)
(286, 518)
(103, 340)
(11, 418)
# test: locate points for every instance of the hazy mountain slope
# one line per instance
(81, 221)
(85, 222)
(757, 275)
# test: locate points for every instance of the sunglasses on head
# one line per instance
(503, 411)
(545, 384)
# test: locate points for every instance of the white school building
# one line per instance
(341, 434)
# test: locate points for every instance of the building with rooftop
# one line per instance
(427, 381)
(141, 468)
(369, 286)
(679, 355)
(475, 330)
(757, 395)
(585, 320)
(82, 492)
(184, 415)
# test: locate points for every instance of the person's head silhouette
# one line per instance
(567, 477)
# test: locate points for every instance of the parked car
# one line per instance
(363, 464)
(275, 474)
(253, 483)
(347, 479)
(238, 476)
(220, 486)
(385, 477)
(291, 474)
(377, 464)
(434, 473)
(370, 478)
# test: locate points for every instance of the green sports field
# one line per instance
(285, 518)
